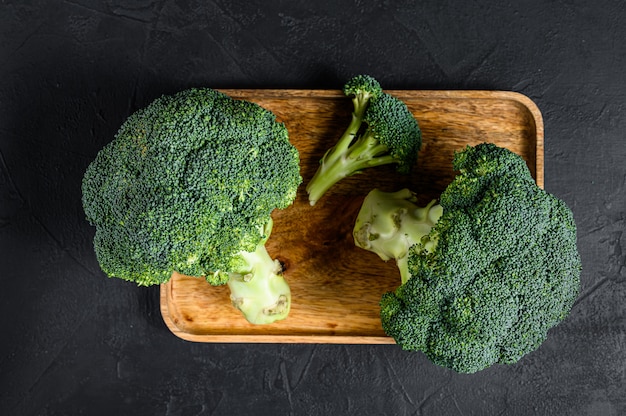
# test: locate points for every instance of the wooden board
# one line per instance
(336, 286)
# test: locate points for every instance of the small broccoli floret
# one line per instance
(382, 131)
(494, 273)
(189, 184)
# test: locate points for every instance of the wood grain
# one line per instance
(335, 285)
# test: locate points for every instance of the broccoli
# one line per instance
(485, 273)
(188, 185)
(382, 131)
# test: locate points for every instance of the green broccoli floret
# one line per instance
(495, 271)
(189, 184)
(382, 131)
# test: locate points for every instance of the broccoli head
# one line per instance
(189, 184)
(382, 131)
(483, 284)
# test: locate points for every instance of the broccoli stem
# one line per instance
(334, 165)
(331, 168)
(347, 157)
(390, 223)
(258, 289)
(262, 294)
(367, 151)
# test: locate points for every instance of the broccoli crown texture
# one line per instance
(382, 131)
(395, 131)
(496, 272)
(362, 88)
(187, 184)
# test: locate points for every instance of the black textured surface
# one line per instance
(76, 343)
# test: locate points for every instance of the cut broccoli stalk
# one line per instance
(389, 223)
(258, 288)
(382, 131)
(348, 157)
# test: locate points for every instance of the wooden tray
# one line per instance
(336, 286)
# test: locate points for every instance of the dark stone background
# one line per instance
(77, 343)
